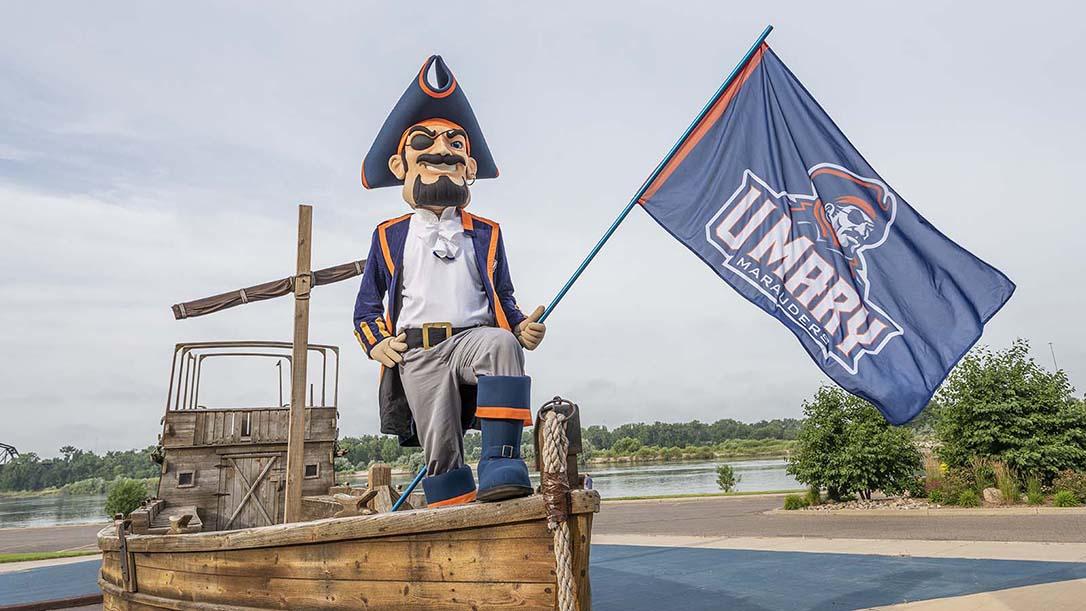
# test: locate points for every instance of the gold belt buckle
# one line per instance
(426, 326)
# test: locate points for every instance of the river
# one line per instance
(611, 480)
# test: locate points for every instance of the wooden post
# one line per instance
(296, 435)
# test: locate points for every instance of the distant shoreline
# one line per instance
(639, 459)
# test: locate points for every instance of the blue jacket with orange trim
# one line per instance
(374, 322)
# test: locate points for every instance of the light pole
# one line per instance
(1053, 351)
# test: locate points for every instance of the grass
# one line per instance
(25, 557)
(1065, 498)
(1006, 481)
(693, 495)
(795, 501)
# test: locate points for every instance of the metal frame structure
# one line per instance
(188, 359)
(8, 453)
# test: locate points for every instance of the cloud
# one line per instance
(154, 154)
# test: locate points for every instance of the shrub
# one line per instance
(1002, 404)
(968, 498)
(125, 496)
(846, 446)
(956, 482)
(982, 473)
(794, 501)
(814, 496)
(917, 488)
(726, 479)
(1065, 498)
(936, 496)
(1034, 494)
(1072, 481)
(1006, 481)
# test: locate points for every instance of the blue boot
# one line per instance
(504, 408)
(454, 487)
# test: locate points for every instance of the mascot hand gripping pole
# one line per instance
(450, 339)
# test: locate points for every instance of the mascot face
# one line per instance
(852, 224)
(435, 164)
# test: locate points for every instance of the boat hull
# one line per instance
(477, 556)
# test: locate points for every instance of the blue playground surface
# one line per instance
(630, 578)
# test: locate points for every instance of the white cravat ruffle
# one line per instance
(439, 234)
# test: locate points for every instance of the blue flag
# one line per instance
(770, 194)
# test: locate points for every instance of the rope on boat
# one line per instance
(556, 495)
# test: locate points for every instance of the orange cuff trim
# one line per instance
(366, 330)
(456, 500)
(505, 413)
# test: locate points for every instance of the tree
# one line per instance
(726, 479)
(846, 447)
(1003, 405)
(626, 446)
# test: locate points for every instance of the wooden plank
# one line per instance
(300, 353)
(521, 530)
(468, 560)
(580, 530)
(318, 593)
(458, 517)
(111, 568)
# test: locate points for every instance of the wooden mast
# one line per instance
(296, 435)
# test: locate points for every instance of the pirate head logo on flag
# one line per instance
(806, 252)
(852, 213)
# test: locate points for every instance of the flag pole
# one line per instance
(659, 168)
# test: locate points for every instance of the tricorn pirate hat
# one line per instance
(422, 101)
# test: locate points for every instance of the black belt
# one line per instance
(432, 334)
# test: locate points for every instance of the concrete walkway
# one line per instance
(754, 517)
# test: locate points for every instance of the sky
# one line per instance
(154, 153)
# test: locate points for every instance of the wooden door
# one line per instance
(251, 486)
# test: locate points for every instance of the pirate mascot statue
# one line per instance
(449, 341)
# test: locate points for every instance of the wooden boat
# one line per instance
(248, 516)
(476, 556)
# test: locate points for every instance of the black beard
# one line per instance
(444, 192)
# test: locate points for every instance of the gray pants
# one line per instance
(432, 378)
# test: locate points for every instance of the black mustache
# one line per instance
(439, 158)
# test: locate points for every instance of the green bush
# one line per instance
(726, 479)
(794, 501)
(968, 498)
(1073, 481)
(814, 496)
(1065, 498)
(955, 482)
(936, 496)
(917, 488)
(1003, 405)
(846, 446)
(125, 496)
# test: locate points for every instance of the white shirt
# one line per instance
(441, 281)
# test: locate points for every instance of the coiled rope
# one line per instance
(556, 495)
